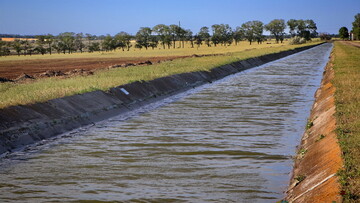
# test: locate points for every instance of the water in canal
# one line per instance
(230, 141)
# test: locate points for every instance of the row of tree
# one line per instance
(344, 32)
(162, 35)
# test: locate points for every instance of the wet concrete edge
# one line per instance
(27, 124)
(319, 156)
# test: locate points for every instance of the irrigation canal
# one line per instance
(229, 141)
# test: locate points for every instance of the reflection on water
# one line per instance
(230, 141)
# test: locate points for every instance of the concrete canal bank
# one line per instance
(28, 124)
(319, 156)
(230, 141)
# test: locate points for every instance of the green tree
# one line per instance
(292, 23)
(189, 37)
(182, 35)
(238, 35)
(40, 49)
(246, 29)
(4, 48)
(55, 46)
(67, 41)
(49, 39)
(258, 28)
(59, 46)
(205, 36)
(174, 32)
(119, 42)
(227, 34)
(356, 27)
(123, 40)
(108, 43)
(154, 41)
(94, 46)
(30, 48)
(216, 37)
(143, 37)
(163, 32)
(40, 39)
(2, 45)
(138, 46)
(198, 41)
(17, 46)
(325, 36)
(40, 44)
(276, 28)
(26, 46)
(89, 37)
(253, 30)
(302, 28)
(343, 33)
(311, 27)
(78, 43)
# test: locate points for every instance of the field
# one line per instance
(49, 88)
(347, 100)
(203, 49)
(13, 66)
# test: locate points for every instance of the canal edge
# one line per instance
(24, 125)
(318, 157)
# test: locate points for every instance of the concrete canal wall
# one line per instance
(28, 124)
(319, 156)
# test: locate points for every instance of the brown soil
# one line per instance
(322, 158)
(35, 67)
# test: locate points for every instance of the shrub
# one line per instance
(325, 36)
(297, 40)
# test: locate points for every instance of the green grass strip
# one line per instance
(347, 100)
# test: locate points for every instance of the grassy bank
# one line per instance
(50, 88)
(347, 100)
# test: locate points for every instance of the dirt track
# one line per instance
(351, 43)
(13, 69)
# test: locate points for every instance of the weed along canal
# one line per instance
(229, 141)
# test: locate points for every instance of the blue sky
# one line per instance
(112, 16)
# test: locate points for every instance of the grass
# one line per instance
(302, 152)
(187, 51)
(309, 124)
(347, 100)
(321, 136)
(50, 88)
(300, 178)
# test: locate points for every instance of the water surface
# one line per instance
(230, 141)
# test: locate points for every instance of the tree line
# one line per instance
(162, 36)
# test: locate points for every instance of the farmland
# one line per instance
(49, 88)
(133, 52)
(12, 66)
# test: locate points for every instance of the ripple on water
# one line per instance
(231, 141)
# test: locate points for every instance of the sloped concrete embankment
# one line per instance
(319, 156)
(27, 124)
